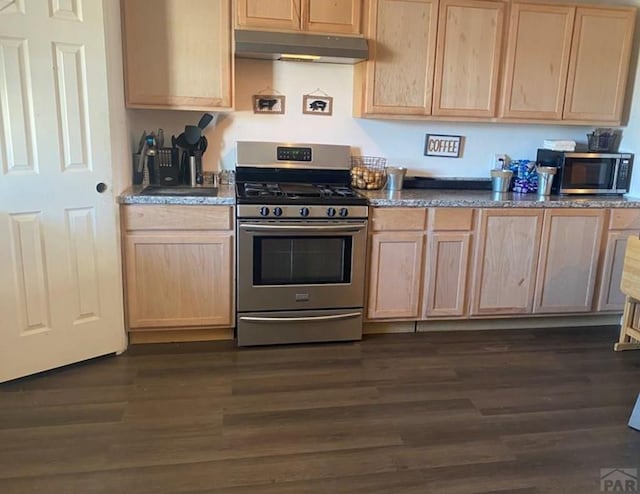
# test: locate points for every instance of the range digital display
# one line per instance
(293, 154)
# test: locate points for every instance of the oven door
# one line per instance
(298, 264)
(589, 174)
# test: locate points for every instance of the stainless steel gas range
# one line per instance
(301, 244)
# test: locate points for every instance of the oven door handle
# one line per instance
(289, 228)
(349, 315)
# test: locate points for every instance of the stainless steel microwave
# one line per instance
(588, 173)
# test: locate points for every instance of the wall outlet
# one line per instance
(500, 160)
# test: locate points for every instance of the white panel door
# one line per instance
(60, 282)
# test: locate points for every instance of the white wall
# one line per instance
(402, 142)
(631, 135)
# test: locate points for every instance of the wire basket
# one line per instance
(368, 172)
(601, 142)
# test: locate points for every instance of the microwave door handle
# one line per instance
(289, 228)
(349, 315)
(616, 169)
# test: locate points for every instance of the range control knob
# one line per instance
(344, 212)
(264, 211)
(331, 212)
(304, 212)
(277, 211)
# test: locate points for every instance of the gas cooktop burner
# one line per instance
(295, 192)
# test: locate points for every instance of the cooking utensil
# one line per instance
(143, 138)
(142, 159)
(151, 145)
(192, 134)
(205, 120)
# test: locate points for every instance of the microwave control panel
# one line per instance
(623, 171)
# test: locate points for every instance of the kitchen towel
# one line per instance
(559, 145)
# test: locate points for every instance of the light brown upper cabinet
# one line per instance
(599, 64)
(567, 63)
(431, 57)
(323, 16)
(468, 57)
(537, 61)
(398, 77)
(274, 14)
(177, 54)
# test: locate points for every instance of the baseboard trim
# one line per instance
(389, 327)
(520, 323)
(179, 335)
(512, 322)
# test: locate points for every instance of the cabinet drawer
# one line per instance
(408, 219)
(624, 219)
(176, 217)
(450, 219)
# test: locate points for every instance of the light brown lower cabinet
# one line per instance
(395, 275)
(179, 265)
(623, 223)
(568, 265)
(447, 262)
(496, 261)
(396, 256)
(610, 296)
(446, 274)
(506, 261)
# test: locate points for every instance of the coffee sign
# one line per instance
(446, 146)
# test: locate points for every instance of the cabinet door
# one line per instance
(274, 14)
(569, 254)
(177, 54)
(506, 260)
(446, 273)
(537, 60)
(394, 275)
(468, 57)
(399, 73)
(599, 64)
(330, 16)
(610, 296)
(179, 279)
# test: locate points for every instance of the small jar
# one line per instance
(227, 177)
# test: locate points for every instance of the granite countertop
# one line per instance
(226, 196)
(487, 199)
(421, 198)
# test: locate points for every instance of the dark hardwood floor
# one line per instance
(526, 411)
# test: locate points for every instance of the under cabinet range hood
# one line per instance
(300, 47)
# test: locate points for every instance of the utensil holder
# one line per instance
(501, 180)
(395, 178)
(545, 179)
